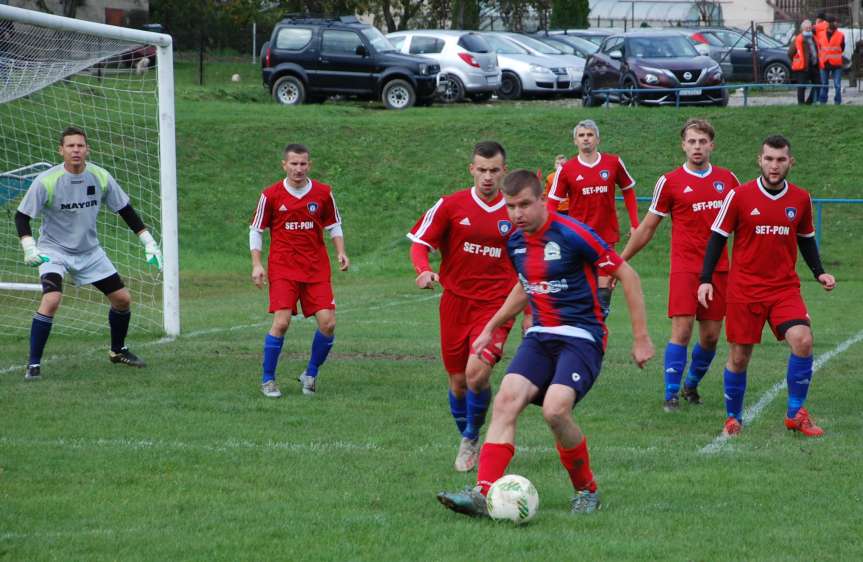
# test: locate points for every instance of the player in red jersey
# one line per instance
(297, 210)
(470, 229)
(588, 182)
(691, 195)
(770, 218)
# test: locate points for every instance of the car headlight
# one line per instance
(424, 69)
(574, 70)
(651, 79)
(539, 69)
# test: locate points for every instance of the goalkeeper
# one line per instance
(68, 197)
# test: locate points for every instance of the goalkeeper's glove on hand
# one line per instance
(32, 257)
(151, 249)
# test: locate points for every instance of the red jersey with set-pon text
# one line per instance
(590, 189)
(765, 228)
(297, 219)
(692, 199)
(471, 235)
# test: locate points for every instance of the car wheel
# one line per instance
(776, 73)
(398, 94)
(510, 87)
(289, 90)
(481, 97)
(588, 98)
(628, 96)
(453, 89)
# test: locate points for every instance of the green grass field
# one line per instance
(186, 460)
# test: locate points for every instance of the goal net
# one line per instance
(117, 85)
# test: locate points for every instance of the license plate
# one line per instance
(691, 92)
(492, 79)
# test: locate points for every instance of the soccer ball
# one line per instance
(235, 78)
(512, 498)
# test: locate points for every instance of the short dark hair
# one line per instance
(489, 149)
(777, 142)
(831, 19)
(518, 180)
(821, 15)
(700, 125)
(296, 149)
(70, 131)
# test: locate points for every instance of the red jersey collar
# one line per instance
(598, 160)
(498, 201)
(298, 193)
(768, 194)
(697, 174)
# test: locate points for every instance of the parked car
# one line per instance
(732, 48)
(595, 35)
(652, 60)
(525, 74)
(574, 64)
(309, 59)
(468, 63)
(570, 44)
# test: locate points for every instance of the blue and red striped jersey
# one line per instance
(558, 267)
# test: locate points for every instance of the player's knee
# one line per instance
(327, 326)
(120, 300)
(50, 303)
(709, 341)
(280, 327)
(801, 342)
(506, 405)
(556, 414)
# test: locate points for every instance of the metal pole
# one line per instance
(754, 52)
(818, 208)
(254, 42)
(168, 191)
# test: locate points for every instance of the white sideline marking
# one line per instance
(753, 412)
(208, 331)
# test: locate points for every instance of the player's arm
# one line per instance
(809, 251)
(711, 257)
(32, 257)
(642, 235)
(152, 251)
(338, 238)
(514, 303)
(256, 244)
(426, 277)
(631, 204)
(642, 346)
(558, 192)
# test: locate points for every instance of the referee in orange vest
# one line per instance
(803, 53)
(830, 49)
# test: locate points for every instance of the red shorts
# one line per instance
(683, 296)
(461, 321)
(745, 321)
(285, 293)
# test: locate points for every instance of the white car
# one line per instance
(468, 64)
(525, 74)
(573, 63)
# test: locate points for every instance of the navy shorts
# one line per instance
(546, 359)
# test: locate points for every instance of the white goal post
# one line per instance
(56, 72)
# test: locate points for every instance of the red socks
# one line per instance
(576, 461)
(493, 460)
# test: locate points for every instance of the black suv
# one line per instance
(309, 59)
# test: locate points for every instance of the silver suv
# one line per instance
(468, 64)
(526, 74)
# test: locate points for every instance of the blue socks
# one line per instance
(458, 408)
(321, 346)
(118, 320)
(675, 361)
(272, 349)
(701, 359)
(39, 331)
(477, 406)
(735, 388)
(798, 378)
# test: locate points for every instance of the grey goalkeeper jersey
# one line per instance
(69, 205)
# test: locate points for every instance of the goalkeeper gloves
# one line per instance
(151, 249)
(32, 257)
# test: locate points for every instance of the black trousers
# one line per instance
(809, 76)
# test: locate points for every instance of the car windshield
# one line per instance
(565, 47)
(767, 41)
(532, 43)
(660, 47)
(378, 40)
(504, 46)
(580, 43)
(596, 39)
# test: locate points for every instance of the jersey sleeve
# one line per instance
(559, 186)
(594, 250)
(726, 220)
(330, 216)
(34, 200)
(114, 195)
(432, 226)
(805, 228)
(263, 214)
(661, 203)
(623, 179)
(734, 181)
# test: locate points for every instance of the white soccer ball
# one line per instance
(512, 498)
(235, 78)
